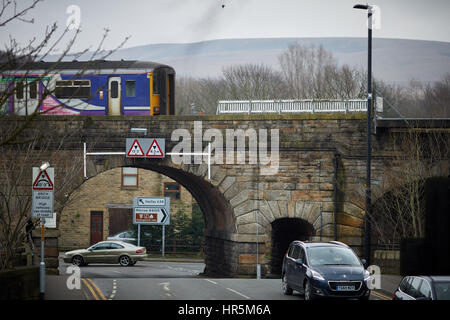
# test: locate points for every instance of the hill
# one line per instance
(394, 60)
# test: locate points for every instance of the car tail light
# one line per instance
(140, 251)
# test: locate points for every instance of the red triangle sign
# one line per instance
(42, 182)
(155, 151)
(135, 150)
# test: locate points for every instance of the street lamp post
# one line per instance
(369, 133)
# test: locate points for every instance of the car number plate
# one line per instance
(345, 288)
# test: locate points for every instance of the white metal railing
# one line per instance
(291, 106)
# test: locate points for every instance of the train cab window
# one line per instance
(68, 89)
(33, 90)
(130, 88)
(19, 90)
(114, 89)
(155, 83)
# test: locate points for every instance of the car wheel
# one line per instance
(78, 261)
(124, 261)
(308, 291)
(133, 263)
(285, 287)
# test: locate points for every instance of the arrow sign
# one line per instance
(150, 216)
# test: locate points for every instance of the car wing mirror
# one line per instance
(364, 262)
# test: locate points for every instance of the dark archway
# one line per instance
(218, 215)
(284, 231)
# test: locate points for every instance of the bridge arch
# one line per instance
(220, 224)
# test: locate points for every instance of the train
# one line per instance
(97, 87)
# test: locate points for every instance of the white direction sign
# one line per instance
(43, 186)
(151, 210)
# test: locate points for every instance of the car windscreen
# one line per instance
(331, 256)
(442, 290)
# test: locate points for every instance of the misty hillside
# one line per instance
(394, 60)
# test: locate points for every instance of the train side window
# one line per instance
(114, 89)
(68, 89)
(33, 90)
(155, 83)
(19, 90)
(130, 88)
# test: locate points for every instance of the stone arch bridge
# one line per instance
(316, 190)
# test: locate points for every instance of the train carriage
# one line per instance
(99, 87)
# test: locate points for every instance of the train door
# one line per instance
(114, 96)
(171, 94)
(26, 98)
(163, 92)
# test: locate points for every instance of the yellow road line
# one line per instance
(90, 288)
(97, 288)
(380, 295)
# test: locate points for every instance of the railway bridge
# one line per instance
(290, 177)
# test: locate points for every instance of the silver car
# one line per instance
(107, 252)
(129, 236)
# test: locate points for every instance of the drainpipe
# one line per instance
(335, 186)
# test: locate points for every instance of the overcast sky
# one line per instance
(182, 21)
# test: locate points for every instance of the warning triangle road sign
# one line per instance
(154, 150)
(136, 150)
(42, 182)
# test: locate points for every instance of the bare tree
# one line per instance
(253, 82)
(21, 144)
(399, 210)
(313, 72)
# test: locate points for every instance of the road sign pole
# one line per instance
(42, 265)
(139, 235)
(163, 239)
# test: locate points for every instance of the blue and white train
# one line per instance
(99, 87)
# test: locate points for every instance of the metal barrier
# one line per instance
(290, 106)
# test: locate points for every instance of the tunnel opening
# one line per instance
(284, 231)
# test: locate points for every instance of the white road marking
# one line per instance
(211, 281)
(238, 293)
(165, 285)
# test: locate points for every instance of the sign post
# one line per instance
(42, 207)
(151, 211)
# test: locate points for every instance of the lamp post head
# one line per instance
(361, 6)
(44, 166)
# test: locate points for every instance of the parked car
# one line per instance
(107, 252)
(423, 288)
(324, 270)
(129, 236)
